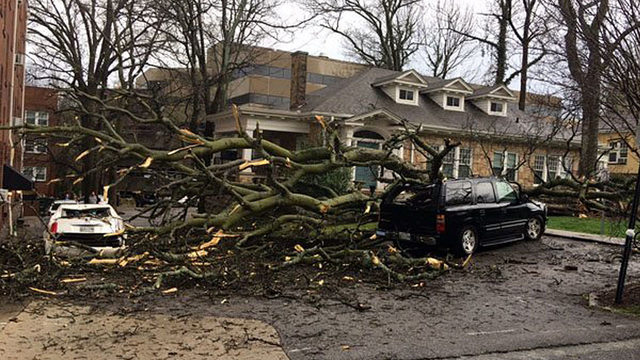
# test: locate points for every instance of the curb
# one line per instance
(585, 237)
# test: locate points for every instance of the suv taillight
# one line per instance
(54, 228)
(440, 226)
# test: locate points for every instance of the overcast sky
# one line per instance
(317, 41)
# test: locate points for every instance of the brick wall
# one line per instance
(480, 165)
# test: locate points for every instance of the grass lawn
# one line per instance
(612, 227)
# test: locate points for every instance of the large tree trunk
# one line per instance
(590, 127)
(501, 44)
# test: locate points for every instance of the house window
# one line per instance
(40, 118)
(35, 146)
(457, 163)
(552, 167)
(453, 101)
(406, 94)
(447, 163)
(618, 153)
(35, 173)
(538, 169)
(498, 163)
(496, 107)
(568, 165)
(505, 163)
(464, 166)
(512, 171)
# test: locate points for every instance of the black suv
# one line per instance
(460, 214)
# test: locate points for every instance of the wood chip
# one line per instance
(146, 163)
(82, 155)
(73, 280)
(175, 151)
(170, 291)
(247, 164)
(103, 261)
(197, 254)
(46, 292)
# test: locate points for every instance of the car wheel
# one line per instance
(467, 242)
(534, 229)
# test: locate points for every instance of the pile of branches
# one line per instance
(279, 222)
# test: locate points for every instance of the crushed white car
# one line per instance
(97, 226)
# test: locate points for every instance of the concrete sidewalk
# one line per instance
(585, 237)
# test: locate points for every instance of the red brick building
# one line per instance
(13, 28)
(40, 106)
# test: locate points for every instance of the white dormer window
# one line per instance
(407, 95)
(453, 101)
(496, 107)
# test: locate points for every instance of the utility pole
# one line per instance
(630, 233)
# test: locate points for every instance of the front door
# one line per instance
(367, 175)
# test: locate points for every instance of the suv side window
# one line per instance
(505, 192)
(458, 193)
(484, 193)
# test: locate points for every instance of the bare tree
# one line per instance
(495, 37)
(588, 48)
(83, 46)
(621, 95)
(382, 33)
(445, 46)
(529, 28)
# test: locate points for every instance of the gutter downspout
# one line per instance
(12, 151)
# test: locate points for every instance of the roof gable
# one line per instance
(497, 92)
(454, 85)
(409, 77)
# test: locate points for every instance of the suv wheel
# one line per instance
(534, 229)
(467, 241)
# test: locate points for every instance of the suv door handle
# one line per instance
(482, 212)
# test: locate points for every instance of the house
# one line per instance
(616, 142)
(371, 105)
(13, 26)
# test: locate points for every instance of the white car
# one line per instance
(94, 225)
(56, 204)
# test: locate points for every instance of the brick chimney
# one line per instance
(298, 80)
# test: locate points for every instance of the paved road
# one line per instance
(519, 301)
(516, 302)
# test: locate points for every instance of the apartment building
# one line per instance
(13, 26)
(39, 161)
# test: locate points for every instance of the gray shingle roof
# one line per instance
(356, 95)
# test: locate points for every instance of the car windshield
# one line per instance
(79, 213)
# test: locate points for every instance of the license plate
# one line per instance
(404, 236)
(86, 229)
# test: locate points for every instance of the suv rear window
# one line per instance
(458, 193)
(415, 196)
